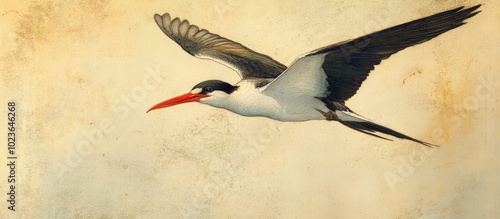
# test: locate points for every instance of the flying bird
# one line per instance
(315, 86)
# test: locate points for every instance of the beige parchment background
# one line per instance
(84, 72)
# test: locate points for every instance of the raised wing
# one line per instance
(203, 44)
(344, 66)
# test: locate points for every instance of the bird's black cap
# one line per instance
(211, 85)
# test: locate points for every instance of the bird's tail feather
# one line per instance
(358, 123)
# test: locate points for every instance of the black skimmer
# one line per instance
(315, 86)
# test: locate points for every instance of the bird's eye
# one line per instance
(209, 89)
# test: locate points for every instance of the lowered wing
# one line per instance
(337, 71)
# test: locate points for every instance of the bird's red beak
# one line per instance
(186, 98)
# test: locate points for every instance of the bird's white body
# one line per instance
(248, 100)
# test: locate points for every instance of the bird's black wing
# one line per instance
(348, 64)
(203, 44)
(337, 71)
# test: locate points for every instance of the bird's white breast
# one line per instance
(250, 101)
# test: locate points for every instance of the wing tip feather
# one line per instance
(163, 21)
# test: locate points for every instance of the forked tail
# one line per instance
(352, 120)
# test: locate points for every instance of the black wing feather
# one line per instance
(347, 64)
